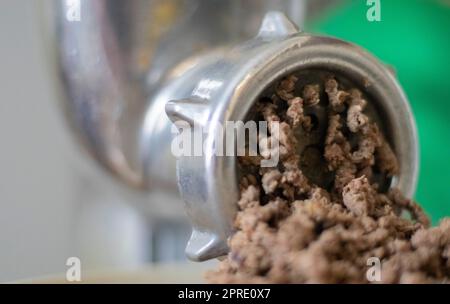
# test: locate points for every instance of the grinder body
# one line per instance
(208, 87)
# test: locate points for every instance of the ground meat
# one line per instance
(356, 119)
(359, 196)
(311, 94)
(295, 111)
(285, 90)
(386, 160)
(336, 97)
(290, 230)
(270, 180)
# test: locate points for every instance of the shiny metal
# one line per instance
(124, 61)
(113, 65)
(114, 60)
(223, 86)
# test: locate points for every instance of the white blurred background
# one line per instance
(36, 233)
(54, 202)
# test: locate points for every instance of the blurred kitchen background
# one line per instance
(55, 202)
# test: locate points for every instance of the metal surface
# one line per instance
(114, 60)
(113, 65)
(231, 81)
(125, 60)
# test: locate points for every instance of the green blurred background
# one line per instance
(414, 37)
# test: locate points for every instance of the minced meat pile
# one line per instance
(290, 229)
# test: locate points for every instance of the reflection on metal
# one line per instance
(116, 61)
(127, 63)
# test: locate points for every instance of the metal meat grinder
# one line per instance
(130, 68)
